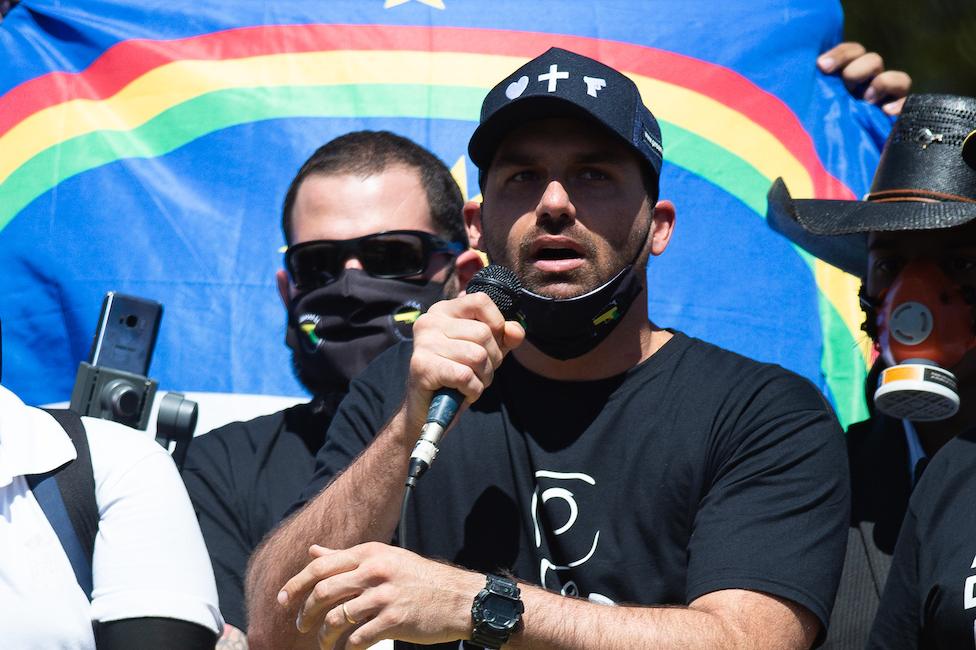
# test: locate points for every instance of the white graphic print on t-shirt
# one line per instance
(554, 495)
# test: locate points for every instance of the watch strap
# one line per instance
(483, 639)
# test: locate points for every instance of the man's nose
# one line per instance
(555, 204)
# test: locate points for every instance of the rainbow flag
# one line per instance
(146, 148)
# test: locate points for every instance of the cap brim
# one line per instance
(836, 231)
(489, 134)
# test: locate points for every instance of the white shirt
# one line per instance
(149, 561)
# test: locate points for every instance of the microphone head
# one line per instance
(501, 285)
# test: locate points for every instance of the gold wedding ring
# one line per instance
(349, 619)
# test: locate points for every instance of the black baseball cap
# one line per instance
(559, 83)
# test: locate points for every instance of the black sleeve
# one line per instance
(774, 514)
(209, 477)
(372, 400)
(897, 624)
(154, 634)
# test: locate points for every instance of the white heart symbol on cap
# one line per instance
(516, 88)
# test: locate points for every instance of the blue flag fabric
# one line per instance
(146, 149)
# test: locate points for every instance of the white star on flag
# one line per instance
(436, 4)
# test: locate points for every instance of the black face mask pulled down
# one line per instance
(567, 328)
(337, 330)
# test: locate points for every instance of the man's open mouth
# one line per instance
(556, 254)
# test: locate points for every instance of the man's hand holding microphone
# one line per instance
(458, 345)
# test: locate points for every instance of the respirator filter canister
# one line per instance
(925, 326)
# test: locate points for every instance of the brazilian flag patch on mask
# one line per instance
(611, 314)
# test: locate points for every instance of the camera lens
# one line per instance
(122, 400)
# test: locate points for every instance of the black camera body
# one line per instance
(113, 383)
(113, 394)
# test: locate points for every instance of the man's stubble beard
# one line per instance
(590, 276)
(308, 383)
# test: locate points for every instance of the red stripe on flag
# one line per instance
(124, 62)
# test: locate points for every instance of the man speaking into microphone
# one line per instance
(597, 458)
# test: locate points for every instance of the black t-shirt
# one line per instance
(696, 471)
(241, 479)
(929, 600)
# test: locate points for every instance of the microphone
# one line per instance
(501, 285)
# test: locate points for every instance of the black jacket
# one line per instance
(880, 488)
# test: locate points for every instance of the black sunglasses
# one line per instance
(391, 254)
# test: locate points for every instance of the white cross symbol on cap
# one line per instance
(553, 76)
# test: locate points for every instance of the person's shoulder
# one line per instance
(740, 375)
(111, 441)
(259, 423)
(959, 451)
(943, 497)
(122, 455)
(228, 445)
(702, 351)
(951, 469)
(241, 432)
(298, 430)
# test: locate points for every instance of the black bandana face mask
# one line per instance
(337, 330)
(570, 327)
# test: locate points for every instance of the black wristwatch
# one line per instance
(496, 613)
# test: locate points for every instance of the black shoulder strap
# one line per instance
(76, 489)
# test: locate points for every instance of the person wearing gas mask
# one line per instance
(600, 458)
(912, 242)
(375, 237)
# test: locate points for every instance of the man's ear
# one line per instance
(472, 222)
(466, 265)
(284, 287)
(662, 226)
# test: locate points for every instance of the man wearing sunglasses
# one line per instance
(375, 237)
(600, 457)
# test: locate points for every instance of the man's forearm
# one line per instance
(723, 620)
(361, 505)
(401, 595)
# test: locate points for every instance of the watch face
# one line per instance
(501, 611)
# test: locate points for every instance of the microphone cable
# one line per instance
(402, 525)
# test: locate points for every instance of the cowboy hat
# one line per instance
(926, 179)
